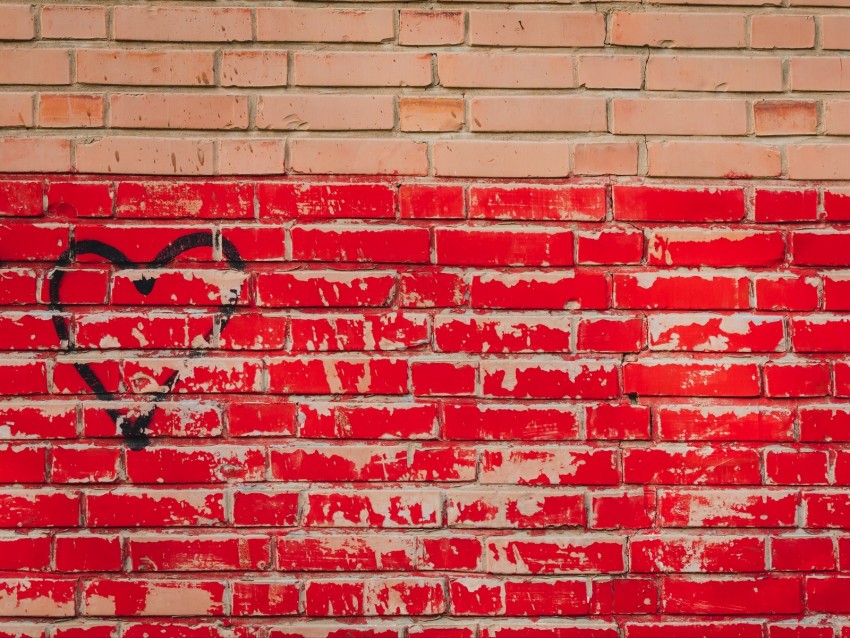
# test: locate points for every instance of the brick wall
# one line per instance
(399, 320)
(525, 90)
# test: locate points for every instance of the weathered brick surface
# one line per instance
(518, 319)
(669, 88)
(428, 408)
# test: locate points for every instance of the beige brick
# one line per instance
(79, 22)
(430, 28)
(489, 158)
(819, 3)
(506, 70)
(605, 158)
(70, 110)
(16, 109)
(738, 3)
(430, 114)
(820, 74)
(358, 156)
(178, 111)
(782, 32)
(145, 155)
(151, 68)
(291, 24)
(835, 32)
(692, 158)
(16, 22)
(322, 112)
(538, 113)
(782, 117)
(836, 117)
(254, 68)
(713, 73)
(35, 66)
(537, 28)
(352, 68)
(689, 30)
(611, 71)
(181, 24)
(679, 116)
(819, 161)
(35, 154)
(251, 156)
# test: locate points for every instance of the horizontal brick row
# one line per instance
(503, 245)
(464, 627)
(590, 379)
(495, 333)
(661, 464)
(276, 201)
(466, 157)
(727, 91)
(715, 116)
(424, 596)
(158, 66)
(810, 422)
(418, 27)
(429, 288)
(391, 508)
(594, 553)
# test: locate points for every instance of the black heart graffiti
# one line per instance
(135, 429)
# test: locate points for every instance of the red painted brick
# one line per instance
(20, 199)
(538, 204)
(724, 423)
(727, 508)
(572, 379)
(549, 466)
(447, 378)
(505, 247)
(425, 201)
(802, 553)
(192, 200)
(88, 553)
(433, 288)
(36, 507)
(338, 376)
(380, 244)
(320, 553)
(694, 554)
(252, 507)
(607, 333)
(258, 598)
(773, 206)
(315, 201)
(470, 421)
(714, 248)
(674, 378)
(732, 596)
(610, 246)
(542, 290)
(623, 421)
(787, 293)
(320, 289)
(646, 203)
(370, 421)
(686, 291)
(524, 509)
(692, 466)
(820, 248)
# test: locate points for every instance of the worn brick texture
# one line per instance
(675, 88)
(425, 320)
